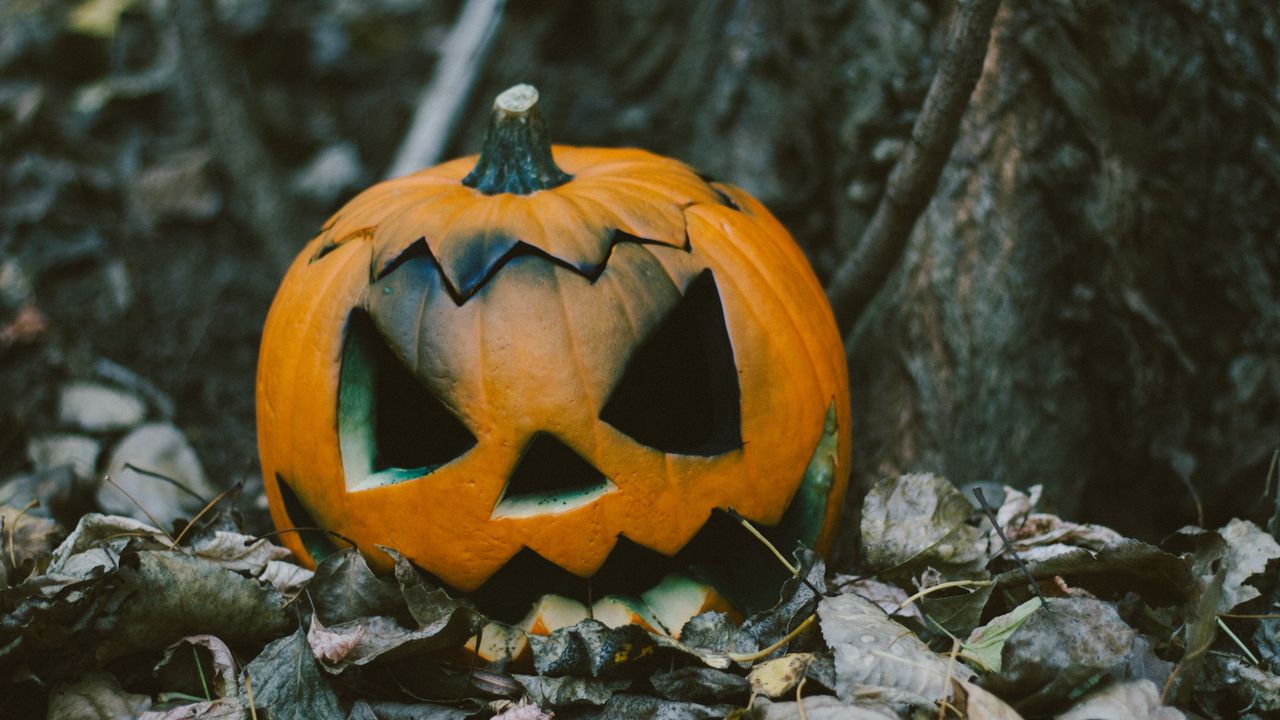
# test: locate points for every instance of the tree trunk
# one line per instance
(1090, 300)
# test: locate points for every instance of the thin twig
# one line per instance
(862, 272)
(1239, 643)
(1273, 525)
(939, 587)
(995, 523)
(944, 702)
(248, 691)
(13, 530)
(795, 571)
(154, 522)
(164, 478)
(300, 530)
(200, 671)
(804, 675)
(208, 506)
(236, 140)
(752, 657)
(461, 60)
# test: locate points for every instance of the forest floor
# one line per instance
(132, 296)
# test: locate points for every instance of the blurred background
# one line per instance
(1090, 302)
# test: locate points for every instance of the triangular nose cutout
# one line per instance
(550, 478)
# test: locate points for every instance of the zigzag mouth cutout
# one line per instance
(722, 557)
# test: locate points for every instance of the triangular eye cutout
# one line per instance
(679, 392)
(314, 540)
(550, 478)
(390, 427)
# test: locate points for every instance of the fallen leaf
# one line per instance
(1136, 700)
(825, 707)
(872, 650)
(779, 676)
(288, 579)
(917, 521)
(591, 648)
(172, 595)
(1119, 567)
(285, 681)
(957, 613)
(522, 710)
(1205, 591)
(384, 710)
(24, 540)
(985, 645)
(716, 632)
(97, 542)
(344, 588)
(1057, 649)
(234, 551)
(427, 602)
(96, 697)
(549, 692)
(198, 664)
(1249, 548)
(220, 709)
(701, 684)
(891, 598)
(975, 703)
(362, 641)
(1229, 683)
(627, 707)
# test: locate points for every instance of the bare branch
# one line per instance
(862, 272)
(461, 60)
(237, 143)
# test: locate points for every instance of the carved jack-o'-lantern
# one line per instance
(552, 370)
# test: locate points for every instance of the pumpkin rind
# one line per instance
(536, 347)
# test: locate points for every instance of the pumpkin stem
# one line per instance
(516, 157)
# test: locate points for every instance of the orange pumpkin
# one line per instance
(547, 358)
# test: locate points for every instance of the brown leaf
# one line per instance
(220, 709)
(872, 650)
(24, 539)
(285, 681)
(198, 662)
(1136, 700)
(916, 521)
(96, 697)
(174, 595)
(364, 640)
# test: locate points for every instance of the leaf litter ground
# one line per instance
(119, 619)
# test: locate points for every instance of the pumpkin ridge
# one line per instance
(575, 351)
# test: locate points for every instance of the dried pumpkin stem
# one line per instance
(516, 157)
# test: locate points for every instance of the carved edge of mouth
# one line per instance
(721, 568)
(690, 587)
